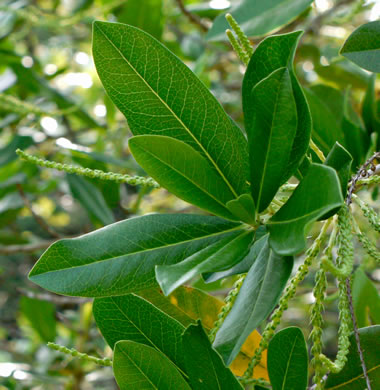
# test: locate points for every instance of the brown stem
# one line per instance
(193, 18)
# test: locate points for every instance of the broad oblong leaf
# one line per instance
(121, 257)
(277, 52)
(138, 366)
(363, 46)
(183, 171)
(159, 95)
(216, 257)
(351, 377)
(272, 133)
(258, 296)
(318, 193)
(288, 360)
(130, 317)
(204, 365)
(257, 18)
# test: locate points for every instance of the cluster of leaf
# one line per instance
(186, 141)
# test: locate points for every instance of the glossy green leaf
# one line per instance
(41, 316)
(366, 300)
(216, 257)
(243, 208)
(159, 95)
(258, 296)
(363, 46)
(121, 257)
(144, 14)
(272, 132)
(204, 365)
(90, 198)
(258, 18)
(183, 171)
(318, 193)
(271, 54)
(288, 360)
(351, 377)
(138, 366)
(130, 317)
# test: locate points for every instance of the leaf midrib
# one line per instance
(145, 250)
(288, 364)
(171, 111)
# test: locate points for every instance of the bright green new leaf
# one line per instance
(272, 133)
(183, 171)
(257, 18)
(138, 366)
(204, 365)
(258, 296)
(363, 46)
(121, 257)
(130, 317)
(243, 207)
(90, 198)
(219, 256)
(288, 360)
(318, 193)
(366, 300)
(159, 95)
(271, 54)
(351, 377)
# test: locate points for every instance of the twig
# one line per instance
(38, 219)
(193, 18)
(29, 248)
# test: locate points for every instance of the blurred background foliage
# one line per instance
(52, 103)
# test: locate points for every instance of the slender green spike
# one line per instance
(235, 44)
(369, 213)
(92, 173)
(246, 44)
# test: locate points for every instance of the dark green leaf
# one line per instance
(288, 360)
(216, 257)
(8, 153)
(121, 257)
(243, 207)
(132, 318)
(363, 46)
(90, 198)
(258, 18)
(204, 365)
(271, 54)
(366, 300)
(183, 171)
(41, 316)
(351, 377)
(159, 95)
(271, 135)
(318, 193)
(137, 366)
(258, 296)
(369, 109)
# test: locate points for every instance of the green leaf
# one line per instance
(183, 171)
(351, 377)
(271, 135)
(159, 95)
(257, 18)
(244, 208)
(318, 193)
(41, 316)
(277, 52)
(219, 256)
(363, 46)
(366, 300)
(369, 109)
(204, 365)
(90, 198)
(258, 296)
(8, 153)
(132, 318)
(341, 161)
(138, 366)
(145, 14)
(121, 257)
(288, 360)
